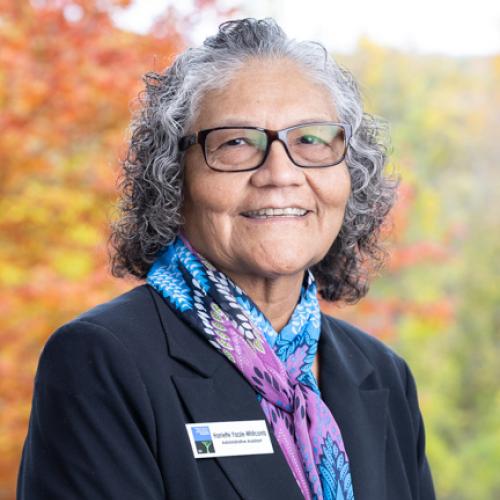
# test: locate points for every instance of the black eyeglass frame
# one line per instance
(272, 135)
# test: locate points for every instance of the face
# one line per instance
(216, 207)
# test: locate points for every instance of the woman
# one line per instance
(253, 180)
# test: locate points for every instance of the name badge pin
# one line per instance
(229, 439)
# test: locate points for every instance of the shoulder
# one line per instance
(122, 312)
(347, 332)
(352, 343)
(125, 331)
(376, 369)
(371, 364)
(129, 314)
(118, 315)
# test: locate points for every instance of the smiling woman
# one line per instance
(253, 182)
(232, 219)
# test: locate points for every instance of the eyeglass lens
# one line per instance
(308, 146)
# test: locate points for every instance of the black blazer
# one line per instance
(115, 386)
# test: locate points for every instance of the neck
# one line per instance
(276, 297)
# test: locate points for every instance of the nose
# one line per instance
(278, 169)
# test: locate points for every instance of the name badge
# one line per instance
(229, 439)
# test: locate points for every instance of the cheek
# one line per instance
(333, 192)
(201, 191)
(203, 198)
(208, 193)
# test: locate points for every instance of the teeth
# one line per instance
(272, 212)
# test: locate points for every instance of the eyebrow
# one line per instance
(238, 122)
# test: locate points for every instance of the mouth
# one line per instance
(266, 213)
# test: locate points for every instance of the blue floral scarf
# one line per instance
(276, 365)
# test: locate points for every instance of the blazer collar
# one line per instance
(348, 387)
(219, 394)
(183, 343)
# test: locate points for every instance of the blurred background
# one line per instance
(69, 73)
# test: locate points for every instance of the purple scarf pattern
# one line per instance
(276, 365)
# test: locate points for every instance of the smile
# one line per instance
(264, 213)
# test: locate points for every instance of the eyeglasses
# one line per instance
(239, 149)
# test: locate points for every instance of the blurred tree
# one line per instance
(437, 302)
(67, 75)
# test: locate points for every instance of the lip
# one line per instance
(272, 207)
(283, 219)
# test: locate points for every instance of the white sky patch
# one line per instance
(439, 26)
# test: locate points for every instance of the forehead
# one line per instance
(267, 93)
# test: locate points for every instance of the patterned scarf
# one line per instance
(276, 365)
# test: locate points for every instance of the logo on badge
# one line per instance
(203, 439)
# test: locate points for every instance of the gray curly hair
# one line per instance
(152, 170)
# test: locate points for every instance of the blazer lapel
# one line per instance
(217, 392)
(359, 409)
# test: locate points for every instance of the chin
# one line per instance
(281, 267)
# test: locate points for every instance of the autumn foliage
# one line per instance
(67, 75)
(68, 79)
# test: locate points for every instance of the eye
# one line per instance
(310, 139)
(235, 140)
(239, 141)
